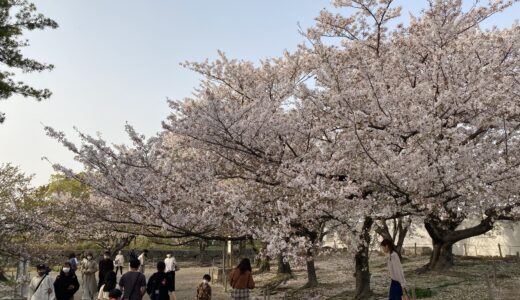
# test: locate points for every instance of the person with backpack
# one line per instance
(395, 270)
(66, 284)
(133, 283)
(159, 285)
(241, 280)
(41, 286)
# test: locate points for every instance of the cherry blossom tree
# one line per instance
(432, 108)
(76, 216)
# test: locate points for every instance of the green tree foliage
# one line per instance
(17, 16)
(60, 184)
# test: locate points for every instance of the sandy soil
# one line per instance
(471, 278)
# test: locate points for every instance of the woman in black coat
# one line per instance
(66, 284)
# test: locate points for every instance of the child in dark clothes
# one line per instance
(204, 289)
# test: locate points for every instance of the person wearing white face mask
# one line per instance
(89, 269)
(66, 284)
(204, 289)
(41, 286)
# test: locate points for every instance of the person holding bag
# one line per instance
(159, 285)
(133, 283)
(395, 270)
(41, 286)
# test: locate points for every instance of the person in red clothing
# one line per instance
(241, 280)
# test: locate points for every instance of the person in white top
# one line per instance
(41, 286)
(141, 259)
(171, 265)
(395, 270)
(119, 262)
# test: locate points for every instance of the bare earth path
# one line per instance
(186, 282)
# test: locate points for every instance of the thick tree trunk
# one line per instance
(283, 267)
(362, 270)
(312, 279)
(263, 265)
(441, 257)
(444, 234)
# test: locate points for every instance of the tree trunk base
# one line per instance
(312, 279)
(441, 258)
(264, 266)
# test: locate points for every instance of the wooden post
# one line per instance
(415, 249)
(231, 255)
(500, 250)
(476, 253)
(465, 250)
(224, 279)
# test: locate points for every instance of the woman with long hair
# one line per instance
(395, 270)
(241, 280)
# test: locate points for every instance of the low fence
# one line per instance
(467, 249)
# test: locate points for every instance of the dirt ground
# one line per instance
(472, 278)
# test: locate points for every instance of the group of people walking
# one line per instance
(131, 286)
(161, 285)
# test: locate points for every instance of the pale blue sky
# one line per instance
(117, 61)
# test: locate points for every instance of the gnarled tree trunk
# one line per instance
(444, 234)
(362, 270)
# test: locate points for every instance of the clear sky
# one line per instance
(118, 61)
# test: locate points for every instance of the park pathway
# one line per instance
(187, 280)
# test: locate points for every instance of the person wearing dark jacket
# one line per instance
(66, 284)
(110, 280)
(159, 285)
(109, 284)
(105, 265)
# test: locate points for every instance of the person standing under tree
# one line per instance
(133, 283)
(159, 285)
(73, 262)
(204, 289)
(41, 286)
(105, 265)
(88, 271)
(66, 284)
(141, 259)
(241, 280)
(395, 269)
(171, 265)
(109, 283)
(119, 262)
